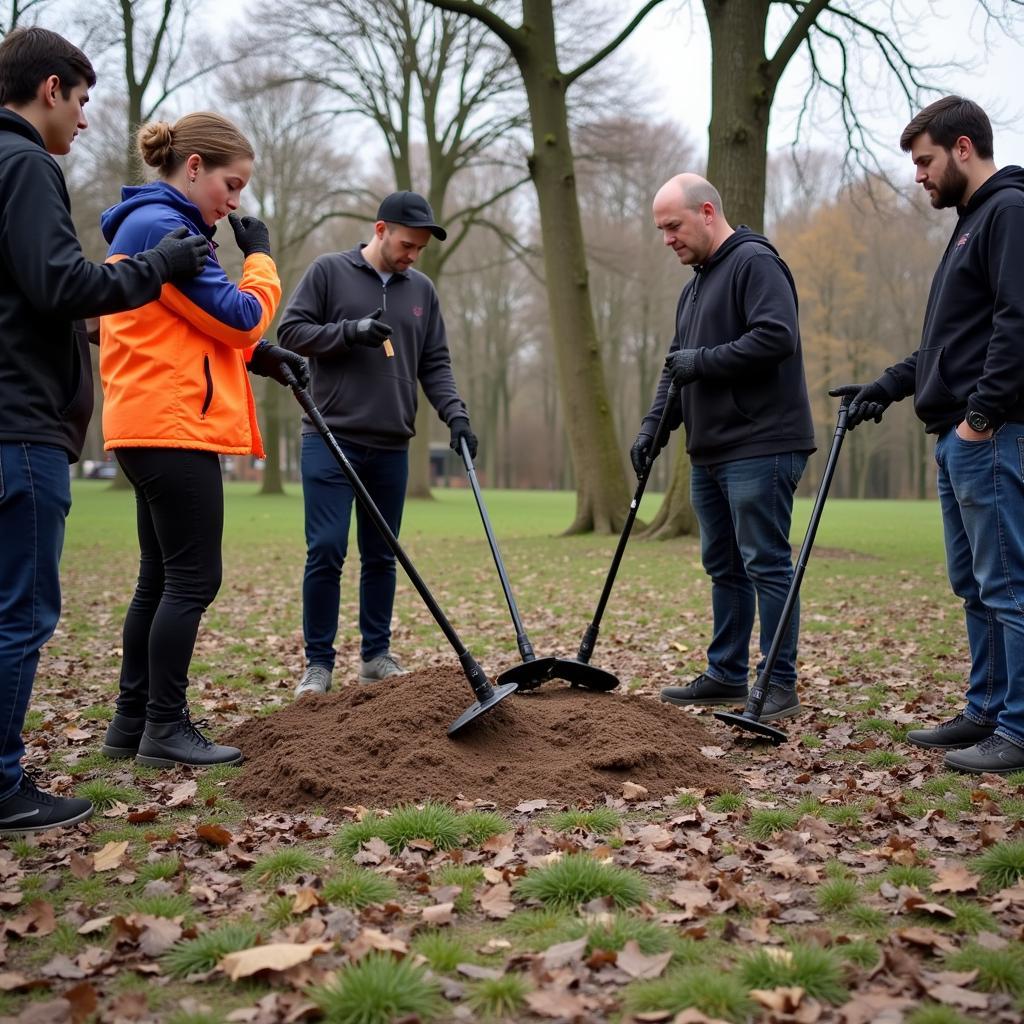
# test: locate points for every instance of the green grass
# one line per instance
(818, 971)
(836, 895)
(162, 869)
(579, 878)
(206, 950)
(714, 992)
(466, 876)
(499, 997)
(376, 990)
(766, 822)
(1002, 864)
(726, 803)
(171, 905)
(911, 874)
(357, 887)
(104, 794)
(999, 970)
(479, 826)
(432, 821)
(600, 821)
(613, 934)
(443, 950)
(282, 866)
(935, 1014)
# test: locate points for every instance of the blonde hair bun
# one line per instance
(156, 141)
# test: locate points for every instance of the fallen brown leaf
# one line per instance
(277, 956)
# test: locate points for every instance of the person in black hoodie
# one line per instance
(737, 361)
(46, 287)
(365, 373)
(967, 379)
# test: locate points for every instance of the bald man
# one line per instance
(737, 362)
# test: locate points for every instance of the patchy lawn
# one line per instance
(847, 879)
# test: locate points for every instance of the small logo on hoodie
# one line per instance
(417, 311)
(962, 240)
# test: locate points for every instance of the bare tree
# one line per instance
(296, 189)
(442, 97)
(838, 38)
(601, 494)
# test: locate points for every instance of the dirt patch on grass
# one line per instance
(387, 744)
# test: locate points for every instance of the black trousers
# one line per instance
(179, 498)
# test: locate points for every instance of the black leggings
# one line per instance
(180, 504)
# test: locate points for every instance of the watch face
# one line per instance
(977, 421)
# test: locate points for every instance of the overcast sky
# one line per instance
(673, 46)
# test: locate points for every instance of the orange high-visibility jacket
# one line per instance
(174, 371)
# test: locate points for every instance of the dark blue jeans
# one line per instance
(35, 498)
(328, 498)
(981, 492)
(744, 509)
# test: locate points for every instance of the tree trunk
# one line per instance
(601, 497)
(273, 480)
(676, 517)
(742, 90)
(418, 485)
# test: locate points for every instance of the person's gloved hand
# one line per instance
(642, 450)
(271, 360)
(682, 366)
(868, 403)
(251, 234)
(179, 255)
(460, 429)
(368, 331)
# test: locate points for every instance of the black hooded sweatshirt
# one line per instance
(740, 314)
(972, 345)
(46, 287)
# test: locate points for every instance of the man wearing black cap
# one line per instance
(364, 373)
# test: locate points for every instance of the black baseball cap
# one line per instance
(412, 210)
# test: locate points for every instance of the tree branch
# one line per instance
(611, 47)
(511, 37)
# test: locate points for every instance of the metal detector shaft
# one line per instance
(660, 439)
(522, 640)
(756, 701)
(485, 693)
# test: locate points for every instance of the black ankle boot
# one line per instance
(123, 736)
(166, 744)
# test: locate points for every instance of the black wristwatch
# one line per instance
(977, 421)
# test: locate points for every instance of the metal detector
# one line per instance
(750, 718)
(486, 694)
(578, 671)
(533, 671)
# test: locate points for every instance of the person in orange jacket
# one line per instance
(176, 395)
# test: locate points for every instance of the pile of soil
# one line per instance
(383, 745)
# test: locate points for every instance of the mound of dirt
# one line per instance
(387, 744)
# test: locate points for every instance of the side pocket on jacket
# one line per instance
(208, 399)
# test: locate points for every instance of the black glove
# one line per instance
(642, 450)
(868, 403)
(368, 331)
(251, 234)
(272, 361)
(682, 366)
(179, 255)
(460, 429)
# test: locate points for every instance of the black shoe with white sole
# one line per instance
(31, 809)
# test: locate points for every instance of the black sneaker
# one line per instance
(166, 744)
(32, 810)
(956, 734)
(705, 692)
(781, 702)
(123, 736)
(995, 754)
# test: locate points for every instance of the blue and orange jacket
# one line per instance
(174, 371)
